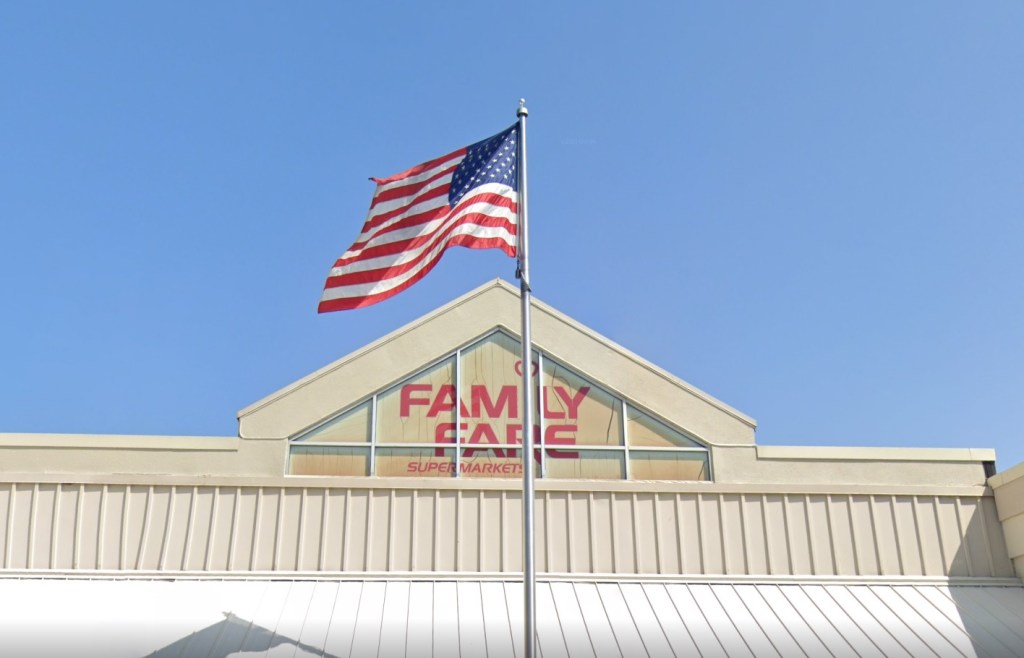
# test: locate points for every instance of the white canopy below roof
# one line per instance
(393, 617)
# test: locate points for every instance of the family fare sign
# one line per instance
(489, 419)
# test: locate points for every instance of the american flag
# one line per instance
(466, 198)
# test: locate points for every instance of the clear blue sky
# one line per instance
(813, 211)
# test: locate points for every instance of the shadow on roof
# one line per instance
(231, 636)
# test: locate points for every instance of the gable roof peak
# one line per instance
(495, 304)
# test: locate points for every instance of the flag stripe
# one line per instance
(408, 227)
(398, 283)
(414, 251)
(398, 207)
(419, 172)
(402, 191)
(360, 301)
(417, 214)
(411, 249)
(477, 232)
(410, 223)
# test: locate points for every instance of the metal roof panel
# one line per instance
(402, 617)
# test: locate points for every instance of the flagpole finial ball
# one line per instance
(522, 111)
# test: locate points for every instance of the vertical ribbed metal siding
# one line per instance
(224, 528)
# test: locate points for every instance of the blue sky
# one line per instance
(812, 211)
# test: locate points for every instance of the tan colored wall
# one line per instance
(137, 455)
(838, 465)
(225, 456)
(316, 524)
(1009, 496)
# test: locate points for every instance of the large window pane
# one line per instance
(415, 462)
(430, 413)
(577, 411)
(588, 465)
(668, 465)
(420, 409)
(645, 431)
(491, 389)
(353, 426)
(329, 460)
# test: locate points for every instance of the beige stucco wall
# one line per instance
(261, 458)
(835, 465)
(130, 455)
(1009, 496)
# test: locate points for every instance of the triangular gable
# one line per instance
(462, 414)
(353, 379)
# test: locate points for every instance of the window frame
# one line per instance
(622, 403)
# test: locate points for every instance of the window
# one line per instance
(460, 417)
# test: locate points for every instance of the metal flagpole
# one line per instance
(529, 569)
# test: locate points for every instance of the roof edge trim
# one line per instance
(1009, 475)
(841, 453)
(480, 484)
(121, 442)
(497, 576)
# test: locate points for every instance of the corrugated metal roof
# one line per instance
(221, 618)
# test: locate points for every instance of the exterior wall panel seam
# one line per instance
(233, 536)
(436, 535)
(390, 545)
(279, 529)
(147, 526)
(805, 502)
(879, 569)
(54, 528)
(680, 540)
(635, 532)
(788, 535)
(700, 535)
(722, 537)
(30, 556)
(744, 539)
(901, 566)
(570, 533)
(858, 568)
(963, 532)
(212, 533)
(831, 535)
(122, 543)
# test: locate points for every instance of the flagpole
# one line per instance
(523, 272)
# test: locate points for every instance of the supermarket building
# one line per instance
(373, 508)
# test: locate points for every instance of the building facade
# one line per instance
(374, 508)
